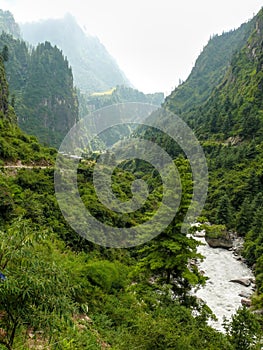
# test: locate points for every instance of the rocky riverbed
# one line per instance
(230, 282)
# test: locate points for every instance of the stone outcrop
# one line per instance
(220, 242)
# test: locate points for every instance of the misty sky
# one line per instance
(155, 42)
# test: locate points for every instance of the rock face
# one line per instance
(8, 24)
(219, 242)
(238, 245)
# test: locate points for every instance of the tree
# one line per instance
(224, 212)
(244, 217)
(250, 126)
(244, 330)
(36, 291)
(5, 53)
(167, 256)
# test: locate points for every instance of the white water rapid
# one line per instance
(221, 295)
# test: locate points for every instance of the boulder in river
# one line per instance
(246, 302)
(244, 281)
(219, 242)
(245, 295)
(218, 237)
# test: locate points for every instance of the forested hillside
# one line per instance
(209, 69)
(229, 125)
(41, 89)
(60, 291)
(14, 144)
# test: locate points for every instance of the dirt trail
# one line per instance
(19, 165)
(26, 166)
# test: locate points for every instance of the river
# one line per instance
(221, 295)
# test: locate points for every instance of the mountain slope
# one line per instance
(42, 91)
(15, 145)
(209, 69)
(230, 127)
(93, 68)
(235, 107)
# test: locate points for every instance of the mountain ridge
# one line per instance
(94, 69)
(209, 69)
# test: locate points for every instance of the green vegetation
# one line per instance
(230, 127)
(60, 291)
(109, 92)
(14, 144)
(210, 68)
(70, 293)
(41, 89)
(215, 231)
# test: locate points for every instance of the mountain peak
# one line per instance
(94, 69)
(8, 24)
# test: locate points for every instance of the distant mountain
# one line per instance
(209, 69)
(41, 89)
(8, 24)
(93, 67)
(119, 94)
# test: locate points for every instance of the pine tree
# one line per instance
(167, 256)
(5, 53)
(224, 212)
(244, 217)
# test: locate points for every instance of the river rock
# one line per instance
(238, 244)
(246, 302)
(244, 281)
(219, 242)
(220, 295)
(200, 233)
(237, 257)
(245, 295)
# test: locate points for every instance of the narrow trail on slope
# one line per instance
(19, 165)
(27, 166)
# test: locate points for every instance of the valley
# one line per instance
(63, 289)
